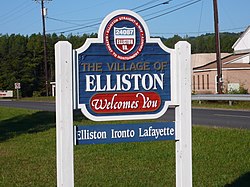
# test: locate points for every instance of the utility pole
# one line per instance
(217, 46)
(44, 13)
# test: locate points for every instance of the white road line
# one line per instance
(237, 116)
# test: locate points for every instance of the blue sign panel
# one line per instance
(123, 74)
(103, 134)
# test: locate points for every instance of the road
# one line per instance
(44, 106)
(208, 117)
(216, 117)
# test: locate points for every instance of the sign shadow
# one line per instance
(242, 181)
(22, 124)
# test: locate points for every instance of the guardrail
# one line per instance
(221, 97)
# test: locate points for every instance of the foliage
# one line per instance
(241, 90)
(22, 60)
(205, 43)
(241, 105)
(21, 57)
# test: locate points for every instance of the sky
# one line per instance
(181, 17)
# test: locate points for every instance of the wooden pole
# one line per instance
(217, 46)
(45, 48)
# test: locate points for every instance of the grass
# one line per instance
(49, 99)
(242, 105)
(221, 157)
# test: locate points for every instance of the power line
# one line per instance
(165, 9)
(150, 2)
(82, 20)
(199, 32)
(81, 9)
(73, 28)
(15, 10)
(86, 26)
(166, 2)
(200, 16)
(92, 24)
(89, 21)
(63, 21)
(69, 29)
(17, 16)
(172, 10)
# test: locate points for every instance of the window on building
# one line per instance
(208, 81)
(194, 83)
(198, 77)
(203, 82)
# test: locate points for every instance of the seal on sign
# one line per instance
(124, 37)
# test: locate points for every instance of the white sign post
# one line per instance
(64, 114)
(183, 122)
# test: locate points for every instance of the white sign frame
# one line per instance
(181, 99)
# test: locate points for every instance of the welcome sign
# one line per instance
(123, 74)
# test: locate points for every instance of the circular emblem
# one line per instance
(124, 37)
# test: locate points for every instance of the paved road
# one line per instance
(44, 106)
(216, 117)
(209, 117)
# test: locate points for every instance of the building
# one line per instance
(200, 59)
(235, 70)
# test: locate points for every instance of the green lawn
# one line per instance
(221, 157)
(236, 105)
(45, 99)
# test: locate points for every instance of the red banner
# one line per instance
(125, 102)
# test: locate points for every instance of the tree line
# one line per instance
(205, 43)
(22, 60)
(22, 57)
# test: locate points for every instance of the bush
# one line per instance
(36, 93)
(241, 90)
